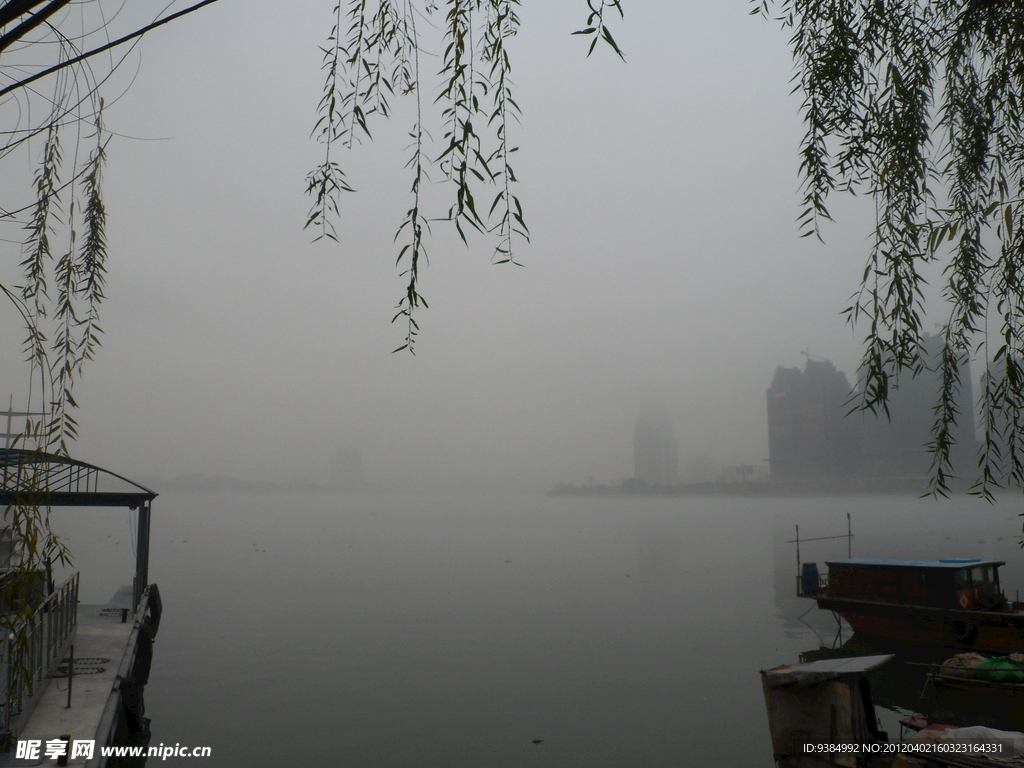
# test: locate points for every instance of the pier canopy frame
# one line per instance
(37, 478)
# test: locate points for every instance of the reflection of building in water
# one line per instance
(655, 451)
(812, 436)
(808, 438)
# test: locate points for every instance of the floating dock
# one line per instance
(73, 675)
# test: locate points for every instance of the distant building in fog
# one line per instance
(808, 438)
(655, 451)
(897, 446)
(999, 429)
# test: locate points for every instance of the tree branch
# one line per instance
(102, 48)
(15, 9)
(31, 23)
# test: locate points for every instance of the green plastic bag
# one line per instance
(1001, 669)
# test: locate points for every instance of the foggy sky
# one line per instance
(661, 195)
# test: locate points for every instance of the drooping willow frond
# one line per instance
(63, 252)
(51, 74)
(373, 54)
(921, 104)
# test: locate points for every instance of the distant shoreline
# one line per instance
(904, 486)
(212, 483)
(915, 486)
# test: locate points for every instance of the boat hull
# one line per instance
(998, 631)
(983, 686)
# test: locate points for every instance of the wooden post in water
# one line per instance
(849, 537)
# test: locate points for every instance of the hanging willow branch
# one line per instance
(57, 77)
(372, 54)
(920, 104)
(59, 300)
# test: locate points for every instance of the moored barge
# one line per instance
(956, 602)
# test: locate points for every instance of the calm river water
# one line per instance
(455, 630)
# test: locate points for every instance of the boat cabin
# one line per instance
(823, 702)
(967, 584)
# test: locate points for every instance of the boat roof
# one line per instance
(37, 477)
(822, 670)
(951, 562)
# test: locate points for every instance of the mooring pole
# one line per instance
(798, 550)
(849, 537)
(71, 672)
(141, 556)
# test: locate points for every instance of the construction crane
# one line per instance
(807, 353)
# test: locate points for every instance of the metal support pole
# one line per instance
(798, 550)
(141, 556)
(7, 435)
(5, 715)
(71, 672)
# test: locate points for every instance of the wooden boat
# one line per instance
(972, 672)
(971, 684)
(956, 602)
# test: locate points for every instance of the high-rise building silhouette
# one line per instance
(808, 438)
(815, 431)
(655, 451)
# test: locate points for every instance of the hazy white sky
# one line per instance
(661, 194)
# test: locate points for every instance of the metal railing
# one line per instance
(32, 650)
(27, 472)
(809, 586)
